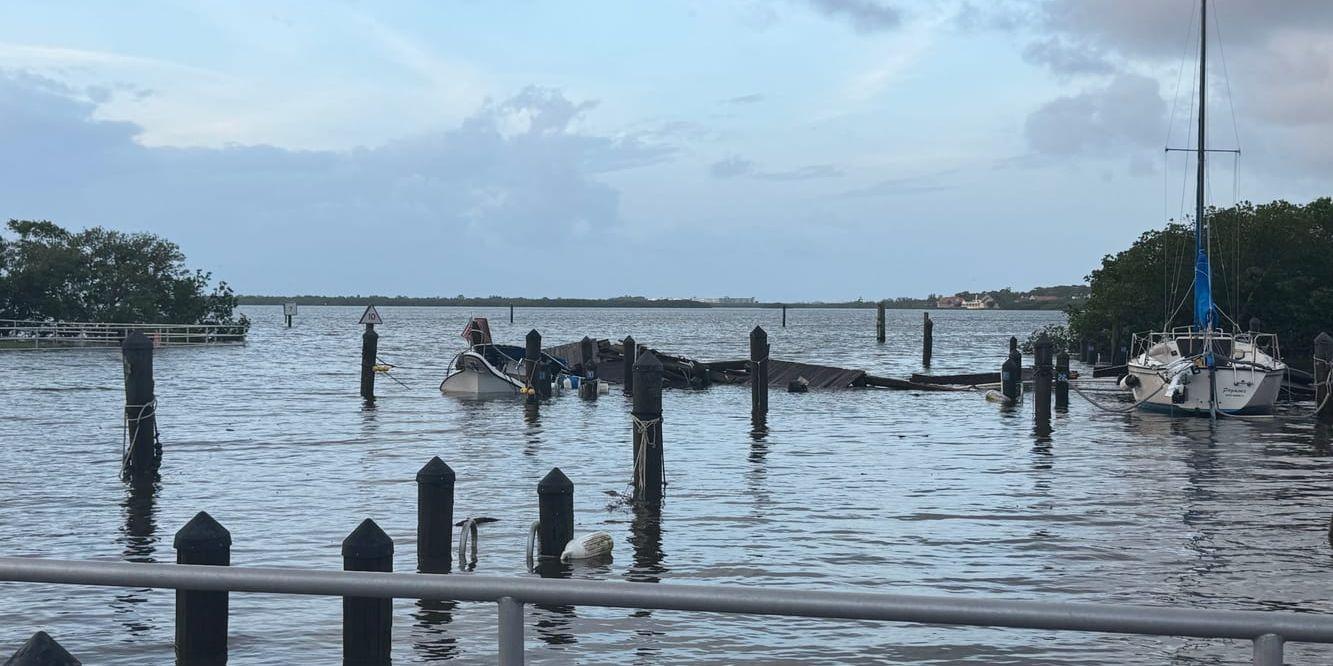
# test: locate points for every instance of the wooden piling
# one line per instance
(367, 622)
(435, 516)
(628, 356)
(927, 338)
(1323, 376)
(784, 316)
(142, 456)
(42, 650)
(370, 342)
(532, 367)
(1011, 374)
(511, 314)
(758, 371)
(649, 460)
(879, 322)
(555, 513)
(1062, 381)
(1041, 381)
(201, 617)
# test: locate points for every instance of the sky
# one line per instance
(782, 149)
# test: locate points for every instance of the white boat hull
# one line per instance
(1240, 390)
(475, 378)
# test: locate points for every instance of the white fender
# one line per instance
(586, 546)
(995, 396)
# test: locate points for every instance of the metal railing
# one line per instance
(1267, 630)
(34, 334)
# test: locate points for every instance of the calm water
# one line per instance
(856, 490)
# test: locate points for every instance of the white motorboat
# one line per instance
(488, 370)
(472, 375)
(1203, 369)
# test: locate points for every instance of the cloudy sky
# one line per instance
(784, 149)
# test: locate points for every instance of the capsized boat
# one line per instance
(1204, 369)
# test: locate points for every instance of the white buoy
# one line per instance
(587, 546)
(995, 396)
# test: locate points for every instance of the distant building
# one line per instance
(728, 300)
(949, 302)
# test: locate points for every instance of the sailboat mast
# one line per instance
(1203, 277)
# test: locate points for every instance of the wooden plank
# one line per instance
(968, 379)
(904, 385)
(782, 373)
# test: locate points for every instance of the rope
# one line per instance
(1131, 408)
(147, 410)
(646, 432)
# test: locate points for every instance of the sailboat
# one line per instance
(1202, 368)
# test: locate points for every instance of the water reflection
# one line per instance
(139, 539)
(758, 427)
(553, 621)
(431, 639)
(646, 538)
(532, 436)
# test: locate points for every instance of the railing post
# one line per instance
(201, 617)
(367, 622)
(511, 632)
(1268, 650)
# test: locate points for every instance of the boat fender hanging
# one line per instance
(588, 546)
(381, 368)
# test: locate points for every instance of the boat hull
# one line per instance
(1240, 390)
(475, 378)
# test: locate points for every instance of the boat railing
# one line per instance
(1267, 631)
(1266, 343)
(18, 334)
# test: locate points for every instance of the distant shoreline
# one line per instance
(621, 302)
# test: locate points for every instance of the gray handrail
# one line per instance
(1268, 630)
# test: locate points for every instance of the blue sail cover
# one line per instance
(1203, 290)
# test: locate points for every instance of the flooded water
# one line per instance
(935, 493)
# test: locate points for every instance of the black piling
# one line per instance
(1011, 374)
(927, 339)
(784, 316)
(1041, 381)
(511, 314)
(1323, 375)
(647, 413)
(367, 622)
(370, 342)
(555, 513)
(435, 517)
(42, 650)
(758, 371)
(879, 322)
(201, 616)
(630, 354)
(532, 366)
(143, 456)
(1062, 381)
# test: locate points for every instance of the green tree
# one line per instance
(48, 272)
(1270, 261)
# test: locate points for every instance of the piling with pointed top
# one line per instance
(649, 459)
(555, 510)
(370, 342)
(927, 338)
(142, 457)
(367, 622)
(879, 322)
(42, 650)
(435, 516)
(201, 616)
(758, 371)
(1323, 377)
(1011, 373)
(1062, 381)
(629, 354)
(1041, 380)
